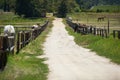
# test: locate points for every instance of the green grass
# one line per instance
(25, 65)
(11, 18)
(107, 47)
(107, 8)
(91, 19)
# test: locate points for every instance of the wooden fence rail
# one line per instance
(7, 43)
(84, 29)
(24, 37)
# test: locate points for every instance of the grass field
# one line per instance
(91, 19)
(26, 65)
(106, 8)
(10, 18)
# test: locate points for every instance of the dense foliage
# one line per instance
(7, 5)
(37, 8)
(87, 4)
(62, 9)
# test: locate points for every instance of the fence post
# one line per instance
(97, 31)
(118, 34)
(94, 31)
(113, 33)
(18, 42)
(3, 52)
(22, 39)
(102, 33)
(90, 29)
(3, 59)
(105, 33)
(5, 41)
(108, 26)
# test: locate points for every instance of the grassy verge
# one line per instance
(107, 47)
(25, 65)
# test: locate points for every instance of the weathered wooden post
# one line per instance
(102, 32)
(97, 31)
(1, 42)
(105, 33)
(113, 33)
(3, 51)
(23, 38)
(20, 34)
(108, 26)
(118, 34)
(3, 59)
(18, 42)
(90, 29)
(94, 31)
(86, 30)
(5, 41)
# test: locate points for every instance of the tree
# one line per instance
(7, 5)
(62, 9)
(24, 7)
(29, 8)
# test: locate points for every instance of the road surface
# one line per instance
(68, 61)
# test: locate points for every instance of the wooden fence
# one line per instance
(116, 33)
(25, 36)
(3, 51)
(84, 29)
(8, 43)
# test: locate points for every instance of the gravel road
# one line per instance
(68, 61)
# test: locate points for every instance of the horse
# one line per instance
(101, 18)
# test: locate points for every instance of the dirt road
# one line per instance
(68, 61)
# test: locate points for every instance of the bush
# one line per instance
(77, 9)
(99, 10)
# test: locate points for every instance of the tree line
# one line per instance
(87, 4)
(37, 8)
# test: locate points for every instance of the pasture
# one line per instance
(92, 19)
(106, 8)
(11, 18)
